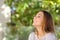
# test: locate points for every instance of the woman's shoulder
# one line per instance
(31, 36)
(51, 36)
(32, 33)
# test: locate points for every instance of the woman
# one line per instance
(44, 27)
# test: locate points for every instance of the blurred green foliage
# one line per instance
(25, 12)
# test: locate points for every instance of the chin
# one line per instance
(34, 25)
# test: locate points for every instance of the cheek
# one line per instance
(39, 20)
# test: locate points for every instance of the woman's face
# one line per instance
(38, 19)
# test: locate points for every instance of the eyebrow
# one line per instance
(39, 14)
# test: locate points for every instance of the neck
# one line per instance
(39, 31)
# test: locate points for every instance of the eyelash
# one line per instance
(38, 16)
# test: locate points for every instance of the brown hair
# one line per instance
(48, 22)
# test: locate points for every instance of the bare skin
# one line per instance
(37, 23)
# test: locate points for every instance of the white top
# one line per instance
(49, 36)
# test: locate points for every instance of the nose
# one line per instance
(35, 17)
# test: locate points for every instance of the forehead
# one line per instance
(40, 13)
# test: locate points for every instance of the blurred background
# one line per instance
(16, 17)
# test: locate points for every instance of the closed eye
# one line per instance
(38, 16)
